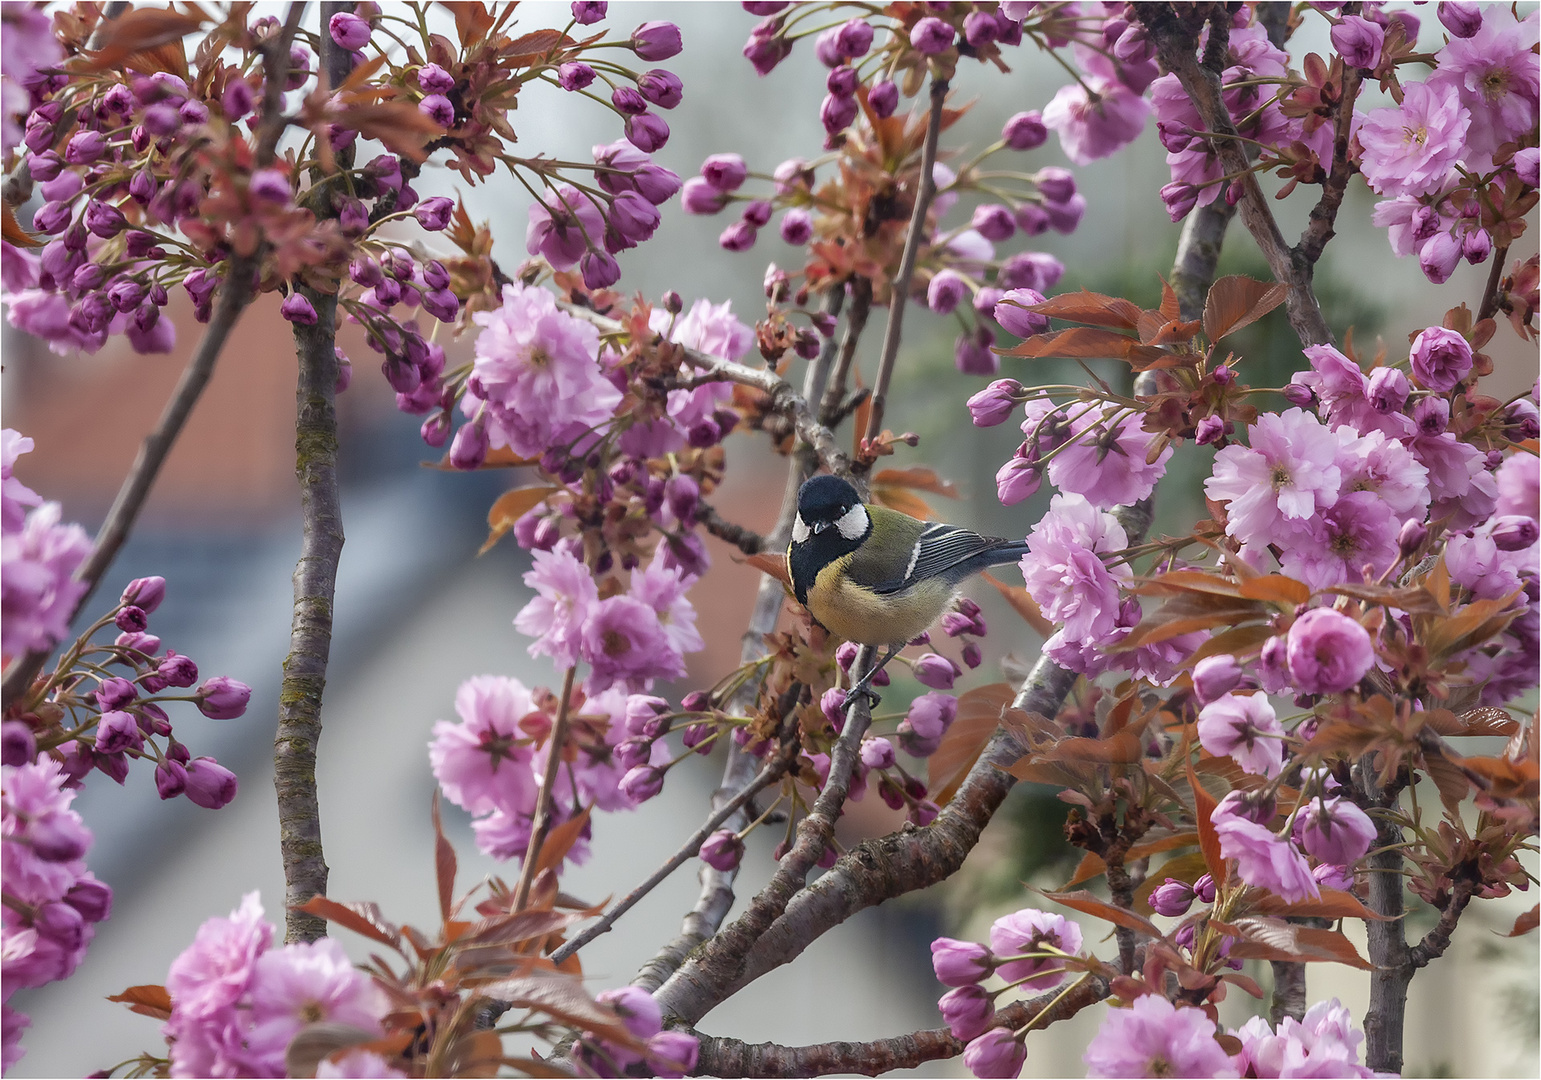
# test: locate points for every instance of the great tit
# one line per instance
(873, 575)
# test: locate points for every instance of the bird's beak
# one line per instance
(820, 526)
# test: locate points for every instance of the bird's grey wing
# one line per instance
(946, 551)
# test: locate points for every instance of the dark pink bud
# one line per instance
(297, 309)
(45, 166)
(837, 112)
(61, 924)
(600, 270)
(1172, 898)
(931, 35)
(193, 112)
(764, 51)
(1527, 166)
(1014, 314)
(642, 783)
(972, 657)
(237, 100)
(344, 371)
(842, 82)
(936, 671)
(995, 402)
(797, 227)
(385, 171)
(50, 218)
(209, 784)
(442, 304)
(349, 31)
(433, 79)
(57, 839)
(627, 101)
(647, 132)
(699, 197)
(85, 147)
(1358, 40)
(439, 109)
(724, 172)
(469, 448)
(115, 693)
(574, 75)
(146, 644)
(757, 212)
(1179, 199)
(1476, 246)
(655, 41)
(91, 898)
(170, 779)
(946, 291)
(740, 236)
(178, 670)
(1515, 532)
(1215, 676)
(723, 850)
(88, 277)
(106, 221)
(435, 429)
(967, 1010)
(588, 12)
(145, 593)
(883, 98)
(223, 698)
(116, 732)
(662, 88)
(1462, 19)
(1298, 394)
(1204, 888)
(18, 745)
(269, 186)
(434, 214)
(161, 119)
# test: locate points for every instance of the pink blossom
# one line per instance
(305, 983)
(37, 590)
(1030, 931)
(483, 762)
(1385, 468)
(1339, 385)
(597, 769)
(563, 227)
(624, 641)
(537, 370)
(46, 315)
(1334, 831)
(566, 598)
(212, 974)
(1064, 571)
(707, 327)
(15, 496)
(1285, 477)
(1264, 860)
(663, 589)
(1323, 1043)
(1355, 536)
(1328, 652)
(1519, 486)
(1245, 728)
(1106, 460)
(1155, 1038)
(996, 1053)
(1494, 74)
(355, 1063)
(1413, 149)
(1476, 563)
(1090, 131)
(1440, 359)
(44, 839)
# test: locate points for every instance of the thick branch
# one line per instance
(732, 1057)
(1492, 293)
(1384, 1020)
(1319, 229)
(235, 292)
(899, 295)
(705, 976)
(1437, 940)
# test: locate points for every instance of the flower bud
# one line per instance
(1388, 389)
(936, 671)
(993, 404)
(647, 132)
(223, 698)
(837, 113)
(575, 75)
(931, 35)
(1358, 40)
(980, 28)
(1171, 898)
(723, 850)
(740, 236)
(1011, 311)
(1515, 532)
(642, 783)
(18, 745)
(209, 784)
(1527, 166)
(434, 214)
(655, 41)
(883, 98)
(1215, 676)
(115, 693)
(297, 309)
(1462, 19)
(930, 715)
(170, 779)
(1204, 889)
(131, 619)
(968, 1011)
(349, 31)
(92, 898)
(117, 731)
(960, 963)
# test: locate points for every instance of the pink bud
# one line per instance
(722, 850)
(209, 784)
(223, 698)
(297, 309)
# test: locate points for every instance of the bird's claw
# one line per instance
(862, 690)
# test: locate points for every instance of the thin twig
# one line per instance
(298, 736)
(542, 823)
(772, 772)
(235, 292)
(745, 539)
(893, 332)
(1492, 295)
(855, 323)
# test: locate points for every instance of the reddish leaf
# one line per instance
(979, 714)
(905, 502)
(1277, 588)
(1203, 807)
(1085, 902)
(362, 918)
(520, 926)
(537, 44)
(1247, 984)
(1275, 939)
(1526, 922)
(1092, 865)
(444, 864)
(1089, 343)
(139, 30)
(563, 997)
(773, 563)
(1022, 604)
(475, 1053)
(314, 1043)
(13, 233)
(1333, 904)
(920, 478)
(1488, 721)
(1092, 308)
(561, 840)
(147, 1000)
(472, 21)
(1237, 301)
(1124, 748)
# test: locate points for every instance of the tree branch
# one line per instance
(772, 772)
(235, 292)
(900, 293)
(1176, 38)
(542, 823)
(1384, 1019)
(733, 1057)
(1437, 940)
(746, 540)
(855, 322)
(1492, 294)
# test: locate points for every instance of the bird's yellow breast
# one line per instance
(869, 618)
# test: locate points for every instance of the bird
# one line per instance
(876, 576)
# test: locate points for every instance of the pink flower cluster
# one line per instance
(666, 1053)
(38, 558)
(236, 1002)
(1028, 950)
(489, 765)
(52, 902)
(1462, 139)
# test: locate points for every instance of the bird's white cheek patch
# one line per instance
(853, 525)
(799, 530)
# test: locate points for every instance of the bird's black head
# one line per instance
(831, 522)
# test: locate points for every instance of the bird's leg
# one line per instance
(863, 687)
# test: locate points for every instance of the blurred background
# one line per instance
(418, 612)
